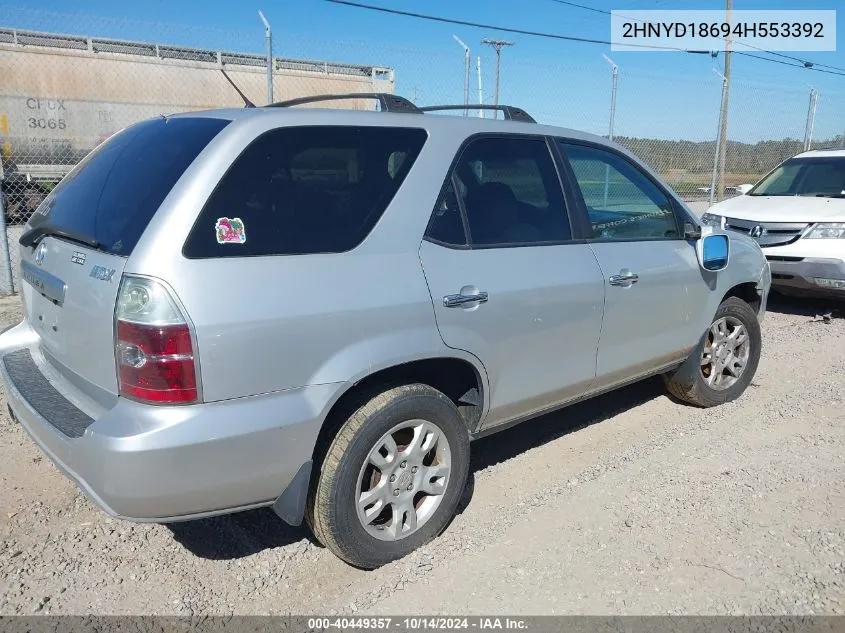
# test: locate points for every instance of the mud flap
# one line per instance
(290, 506)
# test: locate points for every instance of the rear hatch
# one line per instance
(75, 247)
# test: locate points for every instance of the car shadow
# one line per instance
(518, 439)
(811, 307)
(237, 535)
(246, 533)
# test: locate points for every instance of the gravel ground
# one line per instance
(628, 504)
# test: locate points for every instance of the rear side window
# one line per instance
(112, 195)
(509, 190)
(301, 190)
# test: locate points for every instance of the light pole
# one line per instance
(615, 75)
(481, 94)
(466, 71)
(498, 45)
(268, 37)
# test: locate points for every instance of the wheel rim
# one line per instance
(726, 353)
(402, 481)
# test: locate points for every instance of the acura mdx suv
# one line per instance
(319, 309)
(797, 215)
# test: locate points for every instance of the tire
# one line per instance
(690, 381)
(369, 537)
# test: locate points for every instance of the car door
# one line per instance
(507, 282)
(655, 290)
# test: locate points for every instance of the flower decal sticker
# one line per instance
(230, 231)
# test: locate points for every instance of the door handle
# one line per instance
(454, 301)
(624, 278)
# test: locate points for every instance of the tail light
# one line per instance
(154, 351)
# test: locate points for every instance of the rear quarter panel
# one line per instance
(271, 323)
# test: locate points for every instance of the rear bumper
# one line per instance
(809, 275)
(162, 464)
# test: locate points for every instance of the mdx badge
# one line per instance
(40, 253)
(102, 273)
(78, 257)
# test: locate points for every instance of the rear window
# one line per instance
(302, 190)
(112, 195)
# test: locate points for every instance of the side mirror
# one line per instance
(744, 189)
(713, 252)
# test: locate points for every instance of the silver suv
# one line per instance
(319, 309)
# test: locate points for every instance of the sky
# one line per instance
(672, 95)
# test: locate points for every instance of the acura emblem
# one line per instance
(40, 253)
(758, 231)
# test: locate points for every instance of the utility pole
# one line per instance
(811, 119)
(723, 118)
(480, 93)
(466, 71)
(614, 69)
(719, 141)
(498, 45)
(268, 37)
(615, 75)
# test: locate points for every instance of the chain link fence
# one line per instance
(69, 81)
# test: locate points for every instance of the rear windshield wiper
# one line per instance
(830, 195)
(36, 233)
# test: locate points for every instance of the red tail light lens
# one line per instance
(156, 362)
(154, 351)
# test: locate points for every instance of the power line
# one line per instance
(777, 61)
(554, 36)
(557, 36)
(602, 11)
(581, 6)
(804, 63)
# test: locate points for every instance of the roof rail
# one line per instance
(389, 102)
(512, 113)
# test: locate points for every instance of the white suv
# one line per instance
(797, 215)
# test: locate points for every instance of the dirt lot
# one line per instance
(630, 503)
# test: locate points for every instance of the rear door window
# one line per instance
(511, 194)
(300, 190)
(112, 195)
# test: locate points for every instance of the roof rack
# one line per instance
(389, 102)
(512, 113)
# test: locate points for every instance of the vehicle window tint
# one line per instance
(301, 190)
(447, 225)
(622, 202)
(112, 195)
(822, 176)
(511, 192)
